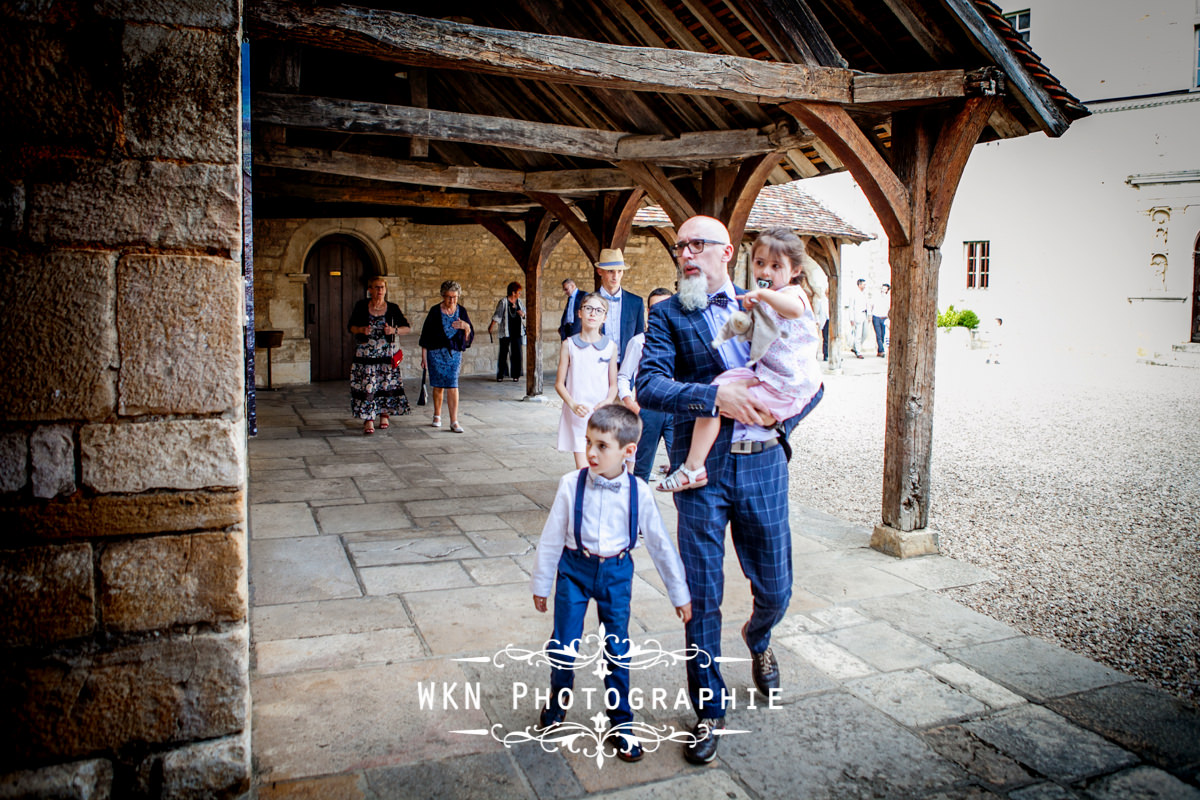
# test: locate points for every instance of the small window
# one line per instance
(978, 266)
(1020, 23)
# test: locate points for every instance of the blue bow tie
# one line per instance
(720, 299)
(600, 483)
(607, 296)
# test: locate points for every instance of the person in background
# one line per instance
(569, 326)
(626, 312)
(447, 332)
(880, 310)
(655, 424)
(376, 388)
(510, 317)
(860, 318)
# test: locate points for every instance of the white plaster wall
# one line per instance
(1071, 242)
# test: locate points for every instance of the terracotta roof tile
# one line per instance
(785, 204)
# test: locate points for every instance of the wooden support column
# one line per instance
(829, 250)
(929, 152)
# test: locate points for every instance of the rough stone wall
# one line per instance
(415, 259)
(123, 608)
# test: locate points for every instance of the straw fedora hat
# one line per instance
(611, 259)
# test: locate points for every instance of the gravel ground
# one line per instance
(1075, 481)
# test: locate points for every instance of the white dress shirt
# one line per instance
(627, 374)
(612, 323)
(605, 532)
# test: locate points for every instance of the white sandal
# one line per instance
(455, 427)
(683, 479)
(437, 422)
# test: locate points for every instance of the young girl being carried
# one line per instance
(587, 376)
(789, 372)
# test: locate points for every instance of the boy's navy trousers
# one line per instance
(608, 581)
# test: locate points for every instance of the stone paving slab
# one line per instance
(423, 550)
(915, 698)
(937, 620)
(1036, 668)
(281, 521)
(936, 572)
(337, 651)
(884, 647)
(299, 491)
(1148, 721)
(1140, 782)
(417, 578)
(352, 734)
(832, 747)
(967, 680)
(300, 570)
(365, 517)
(327, 617)
(1049, 744)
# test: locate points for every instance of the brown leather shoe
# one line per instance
(764, 667)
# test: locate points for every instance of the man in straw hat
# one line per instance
(626, 311)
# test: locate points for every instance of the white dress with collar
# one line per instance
(587, 383)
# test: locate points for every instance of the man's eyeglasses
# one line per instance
(693, 246)
(593, 309)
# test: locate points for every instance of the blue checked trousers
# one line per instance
(750, 493)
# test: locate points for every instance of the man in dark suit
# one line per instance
(570, 323)
(747, 472)
(626, 311)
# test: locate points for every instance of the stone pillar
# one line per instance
(123, 608)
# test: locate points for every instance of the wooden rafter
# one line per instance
(888, 196)
(949, 159)
(744, 191)
(668, 196)
(584, 236)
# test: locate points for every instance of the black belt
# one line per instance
(746, 447)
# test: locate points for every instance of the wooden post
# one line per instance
(908, 436)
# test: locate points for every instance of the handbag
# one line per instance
(421, 398)
(397, 357)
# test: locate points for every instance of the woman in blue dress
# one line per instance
(447, 332)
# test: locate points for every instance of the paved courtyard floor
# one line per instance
(394, 644)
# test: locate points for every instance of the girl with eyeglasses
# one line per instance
(587, 376)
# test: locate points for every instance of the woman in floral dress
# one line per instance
(376, 388)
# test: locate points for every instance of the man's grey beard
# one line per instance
(693, 292)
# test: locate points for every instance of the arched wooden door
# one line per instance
(337, 268)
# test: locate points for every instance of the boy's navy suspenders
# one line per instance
(581, 486)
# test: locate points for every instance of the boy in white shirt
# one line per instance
(584, 552)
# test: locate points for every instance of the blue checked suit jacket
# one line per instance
(678, 363)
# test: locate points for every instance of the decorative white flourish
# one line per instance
(597, 742)
(574, 656)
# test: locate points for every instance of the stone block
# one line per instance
(81, 780)
(1161, 729)
(185, 13)
(1140, 782)
(60, 355)
(1038, 669)
(46, 594)
(162, 581)
(181, 92)
(60, 83)
(989, 766)
(301, 570)
(134, 457)
(52, 454)
(150, 203)
(1050, 745)
(915, 698)
(169, 689)
(904, 544)
(126, 515)
(219, 768)
(179, 324)
(14, 461)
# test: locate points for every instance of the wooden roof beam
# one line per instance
(410, 39)
(332, 114)
(378, 168)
